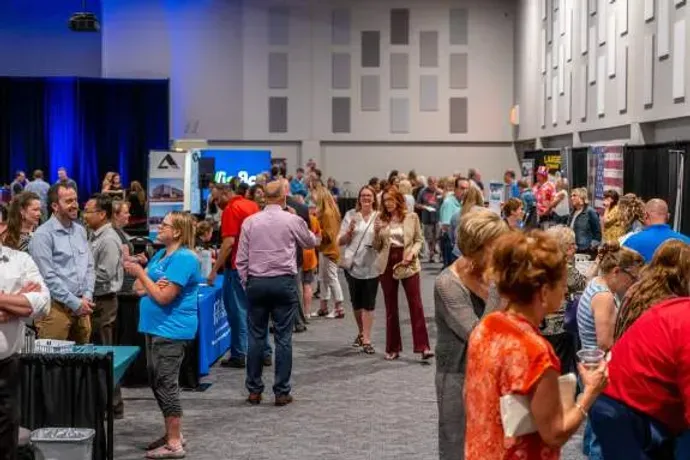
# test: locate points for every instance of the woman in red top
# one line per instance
(508, 356)
(647, 402)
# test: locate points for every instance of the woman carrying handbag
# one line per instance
(398, 240)
(358, 261)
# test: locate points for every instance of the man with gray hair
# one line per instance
(267, 265)
(656, 231)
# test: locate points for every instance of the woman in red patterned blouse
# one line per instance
(507, 355)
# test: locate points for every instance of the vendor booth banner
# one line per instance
(166, 185)
(609, 172)
(527, 170)
(496, 196)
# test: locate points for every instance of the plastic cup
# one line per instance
(591, 359)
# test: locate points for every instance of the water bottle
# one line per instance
(206, 262)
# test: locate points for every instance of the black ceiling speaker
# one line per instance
(84, 21)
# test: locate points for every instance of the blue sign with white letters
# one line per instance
(245, 164)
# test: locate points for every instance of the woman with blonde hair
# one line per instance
(596, 312)
(632, 212)
(507, 356)
(554, 327)
(667, 276)
(462, 297)
(169, 287)
(398, 240)
(329, 252)
(473, 199)
(612, 223)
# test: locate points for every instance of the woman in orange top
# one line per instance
(329, 252)
(310, 263)
(508, 356)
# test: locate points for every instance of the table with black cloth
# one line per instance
(210, 344)
(346, 203)
(73, 390)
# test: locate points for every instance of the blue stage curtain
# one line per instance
(89, 126)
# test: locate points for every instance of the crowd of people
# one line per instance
(514, 304)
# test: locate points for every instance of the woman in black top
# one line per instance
(137, 203)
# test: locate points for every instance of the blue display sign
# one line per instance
(245, 164)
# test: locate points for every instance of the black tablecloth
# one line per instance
(127, 327)
(69, 390)
(345, 204)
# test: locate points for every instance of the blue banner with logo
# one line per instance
(214, 329)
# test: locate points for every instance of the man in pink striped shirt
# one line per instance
(266, 263)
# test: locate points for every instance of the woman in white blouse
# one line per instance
(357, 258)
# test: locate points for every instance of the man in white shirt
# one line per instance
(22, 294)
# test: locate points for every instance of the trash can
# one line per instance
(63, 443)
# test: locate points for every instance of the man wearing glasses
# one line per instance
(61, 252)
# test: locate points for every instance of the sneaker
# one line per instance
(336, 314)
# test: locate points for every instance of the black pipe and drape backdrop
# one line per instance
(88, 125)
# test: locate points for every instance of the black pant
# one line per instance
(9, 407)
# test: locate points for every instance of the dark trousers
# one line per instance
(447, 249)
(277, 298)
(625, 434)
(9, 407)
(300, 319)
(103, 333)
(163, 361)
(389, 286)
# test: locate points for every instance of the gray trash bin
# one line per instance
(63, 443)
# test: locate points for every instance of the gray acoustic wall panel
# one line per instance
(371, 48)
(277, 114)
(400, 115)
(341, 115)
(458, 71)
(428, 93)
(400, 27)
(340, 27)
(341, 71)
(400, 71)
(428, 48)
(458, 115)
(277, 70)
(458, 27)
(370, 93)
(279, 25)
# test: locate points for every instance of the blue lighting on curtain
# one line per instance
(61, 126)
(89, 126)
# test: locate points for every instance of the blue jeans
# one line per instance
(625, 434)
(236, 302)
(447, 249)
(274, 297)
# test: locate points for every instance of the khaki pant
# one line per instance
(103, 333)
(62, 324)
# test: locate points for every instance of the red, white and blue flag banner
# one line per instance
(609, 173)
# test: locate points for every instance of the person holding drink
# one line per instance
(398, 240)
(507, 356)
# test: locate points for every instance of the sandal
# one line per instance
(427, 355)
(358, 342)
(368, 349)
(163, 440)
(392, 356)
(166, 451)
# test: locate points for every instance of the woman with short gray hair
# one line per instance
(462, 298)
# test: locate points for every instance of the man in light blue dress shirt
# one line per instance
(40, 188)
(451, 206)
(60, 248)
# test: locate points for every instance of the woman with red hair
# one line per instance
(398, 240)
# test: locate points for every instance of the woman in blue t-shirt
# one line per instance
(168, 318)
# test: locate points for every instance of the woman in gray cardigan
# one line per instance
(461, 298)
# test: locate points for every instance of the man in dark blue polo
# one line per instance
(656, 232)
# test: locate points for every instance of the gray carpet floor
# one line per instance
(348, 405)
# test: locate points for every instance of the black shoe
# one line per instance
(300, 328)
(235, 363)
(283, 400)
(268, 361)
(118, 415)
(271, 330)
(254, 399)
